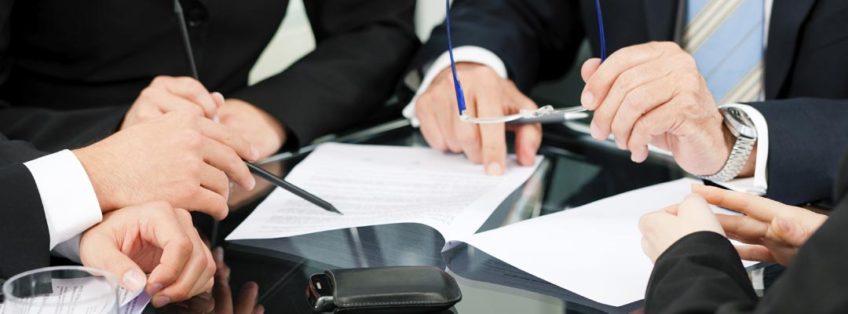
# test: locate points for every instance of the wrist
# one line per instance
(92, 163)
(730, 141)
(255, 124)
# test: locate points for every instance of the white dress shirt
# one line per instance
(757, 184)
(68, 198)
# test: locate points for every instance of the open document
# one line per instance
(594, 251)
(376, 185)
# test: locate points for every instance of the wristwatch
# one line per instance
(742, 127)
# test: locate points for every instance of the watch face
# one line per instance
(740, 123)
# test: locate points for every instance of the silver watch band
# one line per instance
(736, 162)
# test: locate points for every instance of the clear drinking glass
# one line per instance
(61, 290)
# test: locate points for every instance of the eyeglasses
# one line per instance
(526, 115)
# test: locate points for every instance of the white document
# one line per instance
(66, 292)
(375, 185)
(594, 250)
(132, 302)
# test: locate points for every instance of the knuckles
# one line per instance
(211, 266)
(468, 139)
(161, 80)
(148, 93)
(187, 83)
(685, 60)
(665, 47)
(628, 80)
(183, 246)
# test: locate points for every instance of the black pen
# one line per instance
(270, 177)
(264, 174)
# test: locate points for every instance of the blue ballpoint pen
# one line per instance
(544, 115)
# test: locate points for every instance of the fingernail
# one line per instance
(219, 97)
(134, 280)
(494, 169)
(251, 184)
(156, 287)
(160, 301)
(587, 100)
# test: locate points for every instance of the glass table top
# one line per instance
(577, 170)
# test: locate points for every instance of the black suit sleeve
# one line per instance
(25, 242)
(52, 131)
(702, 273)
(524, 34)
(807, 140)
(362, 47)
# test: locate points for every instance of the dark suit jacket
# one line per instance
(70, 70)
(25, 240)
(702, 273)
(806, 69)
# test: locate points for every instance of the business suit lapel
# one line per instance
(661, 16)
(787, 17)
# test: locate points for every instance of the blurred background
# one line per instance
(294, 40)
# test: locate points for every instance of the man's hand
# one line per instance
(663, 228)
(172, 94)
(255, 125)
(772, 232)
(487, 95)
(180, 158)
(153, 238)
(653, 94)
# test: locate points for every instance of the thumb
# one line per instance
(112, 260)
(788, 232)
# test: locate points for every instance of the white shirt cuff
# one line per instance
(69, 249)
(758, 184)
(69, 201)
(461, 54)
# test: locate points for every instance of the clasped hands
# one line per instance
(178, 148)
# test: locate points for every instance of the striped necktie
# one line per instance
(726, 39)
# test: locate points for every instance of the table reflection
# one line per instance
(221, 299)
(271, 275)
